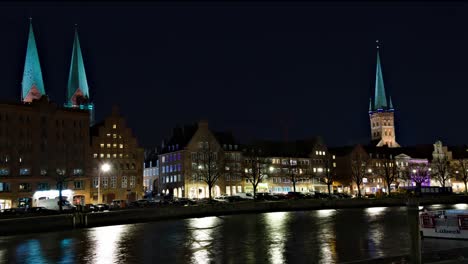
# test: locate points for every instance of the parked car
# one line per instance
(118, 204)
(280, 196)
(39, 210)
(244, 195)
(101, 207)
(183, 201)
(90, 208)
(295, 195)
(319, 195)
(265, 197)
(221, 199)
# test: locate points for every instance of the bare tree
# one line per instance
(359, 168)
(209, 166)
(256, 168)
(417, 173)
(296, 172)
(388, 170)
(329, 172)
(462, 165)
(440, 169)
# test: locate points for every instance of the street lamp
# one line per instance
(104, 168)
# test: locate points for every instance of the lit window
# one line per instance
(124, 182)
(95, 155)
(108, 134)
(114, 126)
(101, 155)
(120, 155)
(113, 182)
(120, 145)
(320, 169)
(108, 155)
(334, 164)
(114, 155)
(333, 156)
(102, 145)
(316, 152)
(114, 145)
(132, 182)
(108, 145)
(114, 135)
(315, 169)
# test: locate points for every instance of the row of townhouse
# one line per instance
(180, 164)
(386, 169)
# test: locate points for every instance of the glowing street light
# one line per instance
(104, 168)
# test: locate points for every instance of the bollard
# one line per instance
(415, 235)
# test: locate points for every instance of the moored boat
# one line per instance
(450, 224)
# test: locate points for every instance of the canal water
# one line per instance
(322, 236)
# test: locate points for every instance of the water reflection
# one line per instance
(375, 211)
(30, 251)
(461, 206)
(322, 236)
(201, 238)
(105, 244)
(376, 231)
(276, 232)
(326, 235)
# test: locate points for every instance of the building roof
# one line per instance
(32, 75)
(77, 82)
(180, 137)
(459, 152)
(298, 148)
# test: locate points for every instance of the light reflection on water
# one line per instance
(322, 236)
(104, 243)
(201, 237)
(327, 235)
(276, 231)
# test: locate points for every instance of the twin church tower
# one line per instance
(381, 111)
(32, 86)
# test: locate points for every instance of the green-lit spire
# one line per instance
(380, 99)
(391, 104)
(77, 89)
(32, 86)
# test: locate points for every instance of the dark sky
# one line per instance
(254, 69)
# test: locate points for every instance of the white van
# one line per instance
(244, 195)
(53, 204)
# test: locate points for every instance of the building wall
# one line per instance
(113, 143)
(383, 128)
(37, 141)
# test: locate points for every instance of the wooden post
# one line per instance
(415, 235)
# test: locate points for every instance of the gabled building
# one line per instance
(113, 143)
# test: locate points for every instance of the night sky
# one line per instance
(264, 70)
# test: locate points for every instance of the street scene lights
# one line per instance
(104, 168)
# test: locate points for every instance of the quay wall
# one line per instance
(80, 220)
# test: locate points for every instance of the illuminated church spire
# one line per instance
(32, 86)
(380, 98)
(77, 88)
(381, 114)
